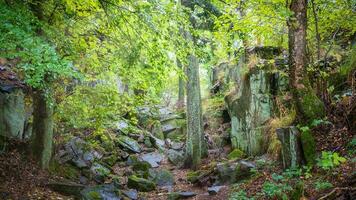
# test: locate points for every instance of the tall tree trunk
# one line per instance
(42, 133)
(194, 116)
(316, 24)
(180, 103)
(308, 105)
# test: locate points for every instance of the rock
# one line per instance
(167, 128)
(141, 166)
(176, 145)
(235, 154)
(176, 157)
(214, 189)
(291, 151)
(129, 144)
(102, 192)
(232, 172)
(122, 126)
(200, 176)
(158, 143)
(180, 195)
(66, 188)
(152, 158)
(76, 151)
(308, 146)
(157, 130)
(131, 194)
(163, 178)
(140, 184)
(99, 172)
(12, 112)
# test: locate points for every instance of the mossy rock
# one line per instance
(64, 170)
(308, 146)
(236, 154)
(140, 184)
(311, 105)
(163, 177)
(111, 160)
(193, 176)
(141, 166)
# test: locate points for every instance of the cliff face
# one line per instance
(249, 88)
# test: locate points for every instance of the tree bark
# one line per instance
(194, 115)
(42, 133)
(307, 103)
(180, 103)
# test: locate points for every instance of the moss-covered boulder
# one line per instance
(235, 154)
(291, 151)
(140, 184)
(232, 172)
(163, 177)
(308, 146)
(101, 192)
(311, 106)
(129, 143)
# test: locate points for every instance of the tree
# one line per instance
(194, 123)
(308, 105)
(181, 87)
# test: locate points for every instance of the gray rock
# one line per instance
(167, 128)
(163, 178)
(180, 195)
(122, 126)
(102, 192)
(232, 172)
(131, 194)
(187, 194)
(152, 158)
(66, 188)
(129, 144)
(177, 145)
(176, 157)
(214, 189)
(99, 172)
(291, 151)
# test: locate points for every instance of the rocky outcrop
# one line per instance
(291, 148)
(12, 105)
(249, 87)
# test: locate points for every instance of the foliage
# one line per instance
(330, 160)
(323, 185)
(276, 190)
(240, 195)
(37, 57)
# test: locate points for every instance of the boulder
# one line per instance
(235, 154)
(213, 190)
(122, 126)
(129, 144)
(131, 194)
(176, 157)
(163, 177)
(140, 184)
(99, 172)
(291, 148)
(153, 158)
(66, 188)
(180, 195)
(157, 131)
(102, 192)
(232, 172)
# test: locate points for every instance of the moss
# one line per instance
(173, 196)
(236, 154)
(311, 106)
(111, 160)
(193, 176)
(308, 146)
(141, 166)
(64, 170)
(140, 184)
(94, 195)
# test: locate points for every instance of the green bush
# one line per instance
(330, 160)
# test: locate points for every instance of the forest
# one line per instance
(177, 99)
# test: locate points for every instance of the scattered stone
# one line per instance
(129, 144)
(176, 145)
(131, 194)
(66, 188)
(163, 178)
(105, 192)
(152, 158)
(176, 157)
(140, 184)
(99, 172)
(122, 126)
(213, 190)
(180, 195)
(233, 172)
